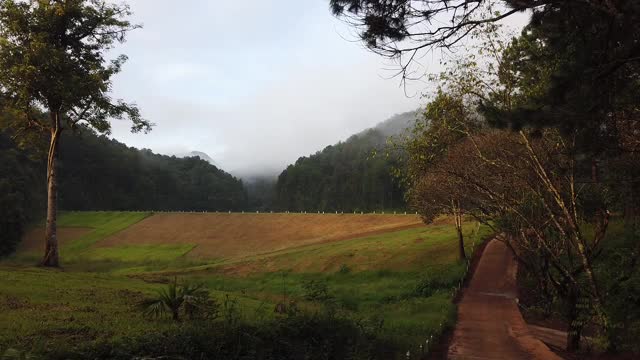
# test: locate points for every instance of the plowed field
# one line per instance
(231, 235)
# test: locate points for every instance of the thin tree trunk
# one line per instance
(574, 236)
(457, 214)
(574, 332)
(51, 255)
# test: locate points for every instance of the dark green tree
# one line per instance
(19, 193)
(355, 175)
(52, 62)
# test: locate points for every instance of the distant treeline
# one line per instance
(355, 175)
(21, 193)
(97, 173)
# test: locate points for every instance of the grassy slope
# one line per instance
(40, 308)
(78, 305)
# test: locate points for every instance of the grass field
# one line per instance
(381, 267)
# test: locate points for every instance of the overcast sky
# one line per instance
(254, 84)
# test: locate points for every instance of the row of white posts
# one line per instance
(259, 212)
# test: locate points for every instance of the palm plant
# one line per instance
(191, 299)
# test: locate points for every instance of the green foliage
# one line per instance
(102, 174)
(444, 280)
(98, 173)
(354, 175)
(292, 337)
(52, 58)
(18, 204)
(54, 76)
(344, 269)
(191, 300)
(230, 311)
(316, 290)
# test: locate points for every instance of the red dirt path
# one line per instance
(490, 325)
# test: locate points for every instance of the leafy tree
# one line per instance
(54, 77)
(527, 186)
(446, 121)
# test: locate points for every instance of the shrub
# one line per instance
(316, 290)
(300, 336)
(344, 269)
(443, 279)
(192, 300)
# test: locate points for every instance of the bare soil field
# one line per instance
(232, 235)
(34, 239)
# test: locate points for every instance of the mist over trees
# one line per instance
(354, 175)
(108, 175)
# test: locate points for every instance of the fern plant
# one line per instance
(192, 300)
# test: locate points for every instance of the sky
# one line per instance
(254, 84)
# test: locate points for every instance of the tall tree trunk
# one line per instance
(457, 214)
(51, 255)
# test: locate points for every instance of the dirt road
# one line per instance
(490, 325)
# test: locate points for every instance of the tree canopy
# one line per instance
(354, 175)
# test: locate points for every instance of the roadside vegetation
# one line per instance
(534, 135)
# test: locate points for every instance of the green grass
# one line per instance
(103, 223)
(85, 254)
(41, 307)
(368, 278)
(406, 250)
(140, 253)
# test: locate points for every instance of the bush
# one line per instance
(443, 279)
(316, 290)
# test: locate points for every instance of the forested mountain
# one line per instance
(348, 176)
(97, 173)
